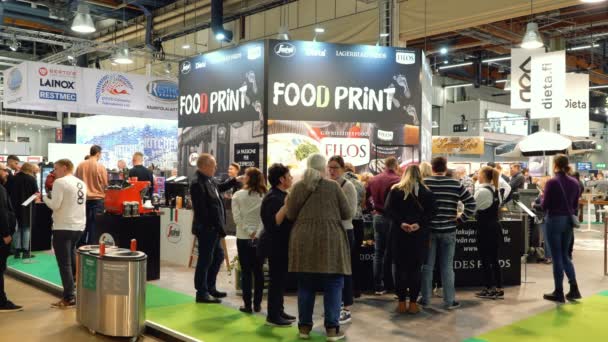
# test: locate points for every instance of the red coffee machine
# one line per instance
(129, 191)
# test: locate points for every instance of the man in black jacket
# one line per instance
(142, 173)
(208, 227)
(22, 186)
(275, 242)
(7, 229)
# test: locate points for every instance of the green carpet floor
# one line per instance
(177, 311)
(583, 321)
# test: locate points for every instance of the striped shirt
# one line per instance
(448, 192)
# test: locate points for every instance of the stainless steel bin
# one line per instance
(111, 291)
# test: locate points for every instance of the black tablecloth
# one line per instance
(42, 226)
(145, 229)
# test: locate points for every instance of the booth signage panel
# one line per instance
(315, 81)
(51, 87)
(247, 155)
(222, 86)
(467, 263)
(549, 85)
(574, 117)
(521, 76)
(458, 145)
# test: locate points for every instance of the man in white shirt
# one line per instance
(68, 202)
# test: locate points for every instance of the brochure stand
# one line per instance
(28, 203)
(528, 212)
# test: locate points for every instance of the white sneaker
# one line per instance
(345, 317)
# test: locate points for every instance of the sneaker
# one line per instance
(28, 255)
(207, 300)
(278, 323)
(64, 304)
(257, 308)
(10, 307)
(422, 303)
(287, 317)
(380, 292)
(304, 332)
(334, 334)
(438, 292)
(499, 294)
(455, 305)
(485, 293)
(218, 294)
(345, 317)
(17, 255)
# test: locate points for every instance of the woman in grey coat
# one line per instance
(318, 247)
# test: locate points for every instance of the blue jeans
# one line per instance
(210, 258)
(546, 240)
(559, 235)
(21, 238)
(445, 245)
(93, 207)
(381, 232)
(332, 285)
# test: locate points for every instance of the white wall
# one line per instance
(38, 140)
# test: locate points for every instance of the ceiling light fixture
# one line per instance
(83, 22)
(443, 51)
(384, 35)
(497, 59)
(122, 55)
(583, 47)
(186, 46)
(532, 38)
(599, 87)
(283, 33)
(14, 44)
(462, 85)
(318, 31)
(455, 65)
(502, 81)
(592, 1)
(221, 36)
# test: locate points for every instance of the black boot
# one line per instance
(555, 296)
(574, 293)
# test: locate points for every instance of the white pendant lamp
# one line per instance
(122, 55)
(83, 22)
(532, 38)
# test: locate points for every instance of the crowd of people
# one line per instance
(75, 195)
(306, 228)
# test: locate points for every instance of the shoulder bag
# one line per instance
(575, 222)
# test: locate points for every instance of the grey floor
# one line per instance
(374, 318)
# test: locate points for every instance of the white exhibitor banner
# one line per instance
(548, 85)
(521, 78)
(52, 87)
(574, 117)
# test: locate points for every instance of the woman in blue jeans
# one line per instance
(560, 202)
(318, 245)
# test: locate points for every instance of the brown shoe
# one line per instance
(334, 334)
(64, 304)
(413, 309)
(401, 308)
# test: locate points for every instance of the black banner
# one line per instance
(222, 87)
(315, 81)
(467, 264)
(247, 155)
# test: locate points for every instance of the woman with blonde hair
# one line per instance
(409, 205)
(318, 247)
(426, 170)
(489, 232)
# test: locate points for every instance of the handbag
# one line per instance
(575, 222)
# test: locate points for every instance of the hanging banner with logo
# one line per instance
(549, 85)
(222, 86)
(51, 87)
(574, 118)
(521, 78)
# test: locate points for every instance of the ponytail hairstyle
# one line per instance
(561, 164)
(491, 174)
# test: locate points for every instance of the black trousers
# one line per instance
(358, 231)
(64, 244)
(409, 253)
(4, 253)
(347, 290)
(489, 236)
(278, 269)
(251, 272)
